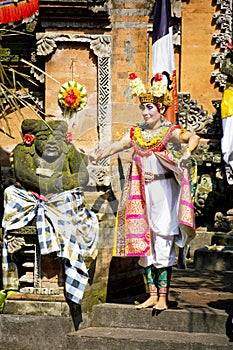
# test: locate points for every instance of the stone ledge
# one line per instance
(36, 297)
(33, 332)
(222, 239)
(214, 260)
(36, 308)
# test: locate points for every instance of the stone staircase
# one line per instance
(117, 326)
(121, 326)
(199, 317)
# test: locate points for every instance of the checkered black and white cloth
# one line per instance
(64, 225)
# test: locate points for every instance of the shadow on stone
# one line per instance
(126, 281)
(76, 313)
(226, 305)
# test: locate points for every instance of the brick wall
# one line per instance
(197, 49)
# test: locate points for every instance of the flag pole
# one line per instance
(163, 50)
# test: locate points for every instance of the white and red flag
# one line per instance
(163, 50)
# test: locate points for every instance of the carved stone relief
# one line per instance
(193, 117)
(211, 194)
(223, 20)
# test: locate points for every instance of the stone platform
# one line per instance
(214, 260)
(194, 288)
(218, 256)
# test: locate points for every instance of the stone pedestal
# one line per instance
(214, 260)
(225, 239)
(218, 256)
(36, 273)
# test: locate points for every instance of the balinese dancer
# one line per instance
(156, 209)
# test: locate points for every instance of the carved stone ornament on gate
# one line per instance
(210, 189)
(223, 20)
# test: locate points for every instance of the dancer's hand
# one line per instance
(184, 160)
(96, 155)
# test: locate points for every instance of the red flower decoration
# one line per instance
(132, 132)
(72, 98)
(132, 76)
(28, 139)
(69, 137)
(158, 77)
(229, 46)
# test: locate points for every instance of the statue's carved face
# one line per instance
(49, 144)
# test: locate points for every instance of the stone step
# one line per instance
(34, 332)
(28, 264)
(222, 239)
(106, 338)
(117, 326)
(214, 260)
(27, 278)
(187, 319)
(37, 307)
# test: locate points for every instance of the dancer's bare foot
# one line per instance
(161, 304)
(151, 301)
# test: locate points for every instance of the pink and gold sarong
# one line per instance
(132, 232)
